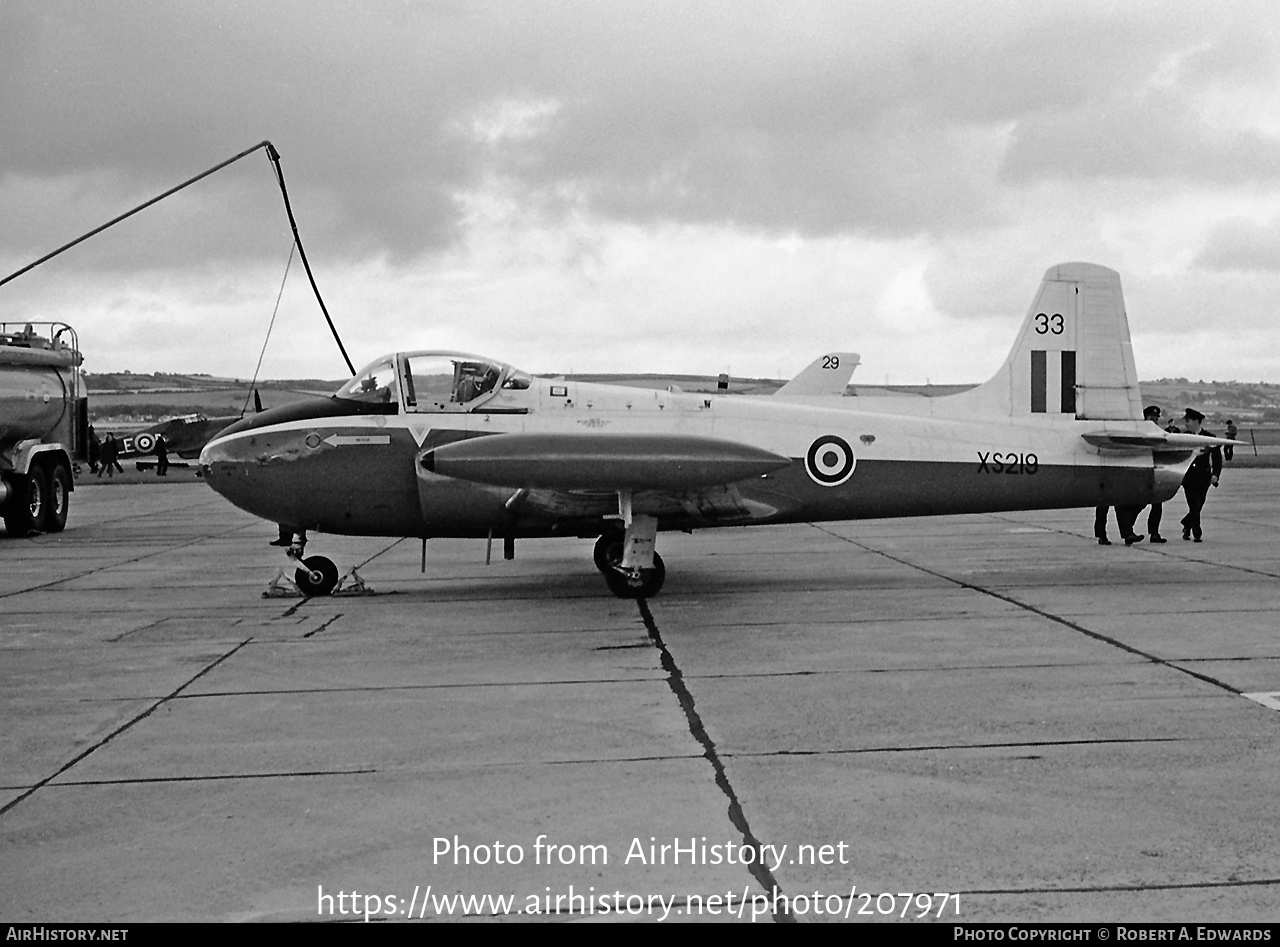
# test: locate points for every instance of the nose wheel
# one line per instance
(313, 576)
(318, 576)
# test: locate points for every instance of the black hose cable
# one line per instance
(275, 161)
(293, 224)
(127, 214)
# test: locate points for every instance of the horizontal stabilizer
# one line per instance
(600, 461)
(827, 375)
(1161, 440)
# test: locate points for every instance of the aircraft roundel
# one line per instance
(143, 443)
(830, 460)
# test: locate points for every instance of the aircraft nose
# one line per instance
(220, 450)
(266, 472)
(225, 466)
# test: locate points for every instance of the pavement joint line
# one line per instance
(184, 508)
(323, 626)
(910, 669)
(452, 685)
(1154, 886)
(675, 680)
(1017, 745)
(652, 758)
(1170, 553)
(1097, 636)
(124, 562)
(213, 777)
(560, 682)
(122, 728)
(120, 637)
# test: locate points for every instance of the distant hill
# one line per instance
(171, 381)
(126, 396)
(1218, 400)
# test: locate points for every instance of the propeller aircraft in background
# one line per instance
(183, 437)
(444, 444)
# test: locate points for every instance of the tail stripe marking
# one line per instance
(1040, 382)
(1068, 382)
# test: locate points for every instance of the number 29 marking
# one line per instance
(831, 361)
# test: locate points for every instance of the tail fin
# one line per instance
(1073, 356)
(826, 375)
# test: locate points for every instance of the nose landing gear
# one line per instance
(318, 576)
(313, 576)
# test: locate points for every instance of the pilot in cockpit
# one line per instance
(467, 388)
(473, 383)
(369, 390)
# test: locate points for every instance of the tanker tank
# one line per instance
(43, 425)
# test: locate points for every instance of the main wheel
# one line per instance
(55, 516)
(318, 578)
(649, 582)
(608, 551)
(24, 513)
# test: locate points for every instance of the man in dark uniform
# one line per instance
(1202, 474)
(1152, 413)
(95, 450)
(162, 456)
(1126, 517)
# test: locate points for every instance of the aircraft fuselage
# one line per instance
(364, 474)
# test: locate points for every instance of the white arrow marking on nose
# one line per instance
(343, 440)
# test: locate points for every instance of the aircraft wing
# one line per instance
(826, 375)
(609, 462)
(722, 503)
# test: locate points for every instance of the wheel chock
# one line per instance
(358, 585)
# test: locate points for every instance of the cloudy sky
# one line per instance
(643, 186)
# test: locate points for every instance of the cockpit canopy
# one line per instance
(433, 381)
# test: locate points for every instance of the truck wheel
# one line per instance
(59, 499)
(25, 511)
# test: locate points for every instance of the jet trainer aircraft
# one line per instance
(444, 444)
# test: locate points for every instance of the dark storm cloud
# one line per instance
(880, 119)
(132, 98)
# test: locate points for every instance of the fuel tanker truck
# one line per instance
(44, 421)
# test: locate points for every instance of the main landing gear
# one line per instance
(626, 557)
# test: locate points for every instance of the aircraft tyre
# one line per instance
(318, 578)
(59, 499)
(24, 513)
(649, 582)
(608, 551)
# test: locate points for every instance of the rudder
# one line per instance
(1073, 356)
